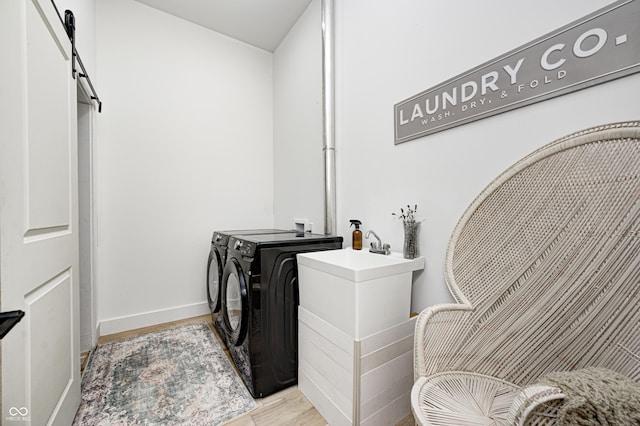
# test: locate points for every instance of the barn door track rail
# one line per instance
(69, 23)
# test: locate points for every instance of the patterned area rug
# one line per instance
(174, 377)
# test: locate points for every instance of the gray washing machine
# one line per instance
(259, 306)
(215, 267)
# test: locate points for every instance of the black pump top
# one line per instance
(355, 222)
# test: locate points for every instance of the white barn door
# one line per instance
(38, 216)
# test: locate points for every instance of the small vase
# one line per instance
(410, 250)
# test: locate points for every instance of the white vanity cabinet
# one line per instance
(355, 337)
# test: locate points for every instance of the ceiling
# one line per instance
(261, 23)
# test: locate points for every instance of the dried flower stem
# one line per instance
(407, 216)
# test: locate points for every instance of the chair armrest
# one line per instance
(536, 405)
(415, 401)
(434, 351)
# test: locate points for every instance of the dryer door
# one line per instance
(214, 274)
(235, 302)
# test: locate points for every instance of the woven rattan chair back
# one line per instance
(545, 264)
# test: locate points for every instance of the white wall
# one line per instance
(389, 51)
(183, 104)
(298, 158)
(184, 109)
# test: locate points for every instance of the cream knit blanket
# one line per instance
(596, 396)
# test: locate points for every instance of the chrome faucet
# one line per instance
(378, 247)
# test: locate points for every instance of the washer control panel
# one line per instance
(219, 239)
(245, 248)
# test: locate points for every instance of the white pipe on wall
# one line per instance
(328, 113)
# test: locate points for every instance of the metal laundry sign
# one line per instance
(597, 48)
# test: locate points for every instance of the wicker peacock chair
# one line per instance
(545, 268)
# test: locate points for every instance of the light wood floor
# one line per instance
(287, 407)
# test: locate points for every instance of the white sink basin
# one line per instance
(360, 265)
(358, 292)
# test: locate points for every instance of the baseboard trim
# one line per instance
(146, 319)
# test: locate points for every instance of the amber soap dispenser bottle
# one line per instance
(356, 235)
